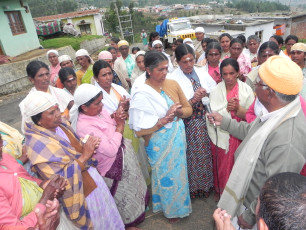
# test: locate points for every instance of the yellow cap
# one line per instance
(282, 75)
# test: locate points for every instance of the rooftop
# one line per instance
(67, 15)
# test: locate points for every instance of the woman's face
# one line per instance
(204, 45)
(51, 118)
(253, 46)
(41, 80)
(95, 107)
(114, 44)
(213, 57)
(114, 54)
(225, 43)
(140, 62)
(186, 63)
(53, 59)
(264, 55)
(229, 75)
(83, 61)
(289, 44)
(159, 73)
(298, 57)
(158, 47)
(105, 78)
(71, 83)
(67, 64)
(236, 50)
(124, 50)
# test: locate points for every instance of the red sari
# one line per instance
(223, 162)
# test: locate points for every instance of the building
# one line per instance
(18, 34)
(87, 21)
(262, 28)
(288, 24)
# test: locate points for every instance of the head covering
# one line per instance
(83, 52)
(191, 45)
(52, 51)
(282, 75)
(140, 52)
(123, 43)
(105, 55)
(156, 42)
(64, 58)
(37, 102)
(199, 30)
(299, 47)
(82, 94)
(187, 40)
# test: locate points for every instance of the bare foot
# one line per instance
(173, 220)
(132, 228)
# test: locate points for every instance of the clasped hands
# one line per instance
(198, 95)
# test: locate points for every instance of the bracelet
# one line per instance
(159, 122)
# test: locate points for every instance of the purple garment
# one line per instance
(102, 208)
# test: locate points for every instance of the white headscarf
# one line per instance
(156, 42)
(64, 58)
(82, 94)
(53, 52)
(140, 52)
(83, 52)
(35, 103)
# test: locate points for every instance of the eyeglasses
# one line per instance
(256, 83)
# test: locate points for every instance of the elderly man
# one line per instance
(272, 144)
(200, 34)
(125, 64)
(158, 46)
(282, 205)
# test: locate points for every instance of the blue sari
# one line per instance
(167, 156)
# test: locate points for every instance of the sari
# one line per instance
(130, 64)
(223, 162)
(118, 165)
(86, 197)
(84, 77)
(170, 188)
(111, 103)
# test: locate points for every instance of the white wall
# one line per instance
(98, 20)
(266, 28)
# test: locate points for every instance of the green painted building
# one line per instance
(18, 34)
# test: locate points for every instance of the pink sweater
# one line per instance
(102, 126)
(11, 196)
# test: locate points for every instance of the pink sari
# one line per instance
(225, 161)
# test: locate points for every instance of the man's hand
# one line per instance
(243, 224)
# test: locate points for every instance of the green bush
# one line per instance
(66, 41)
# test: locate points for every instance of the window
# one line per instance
(15, 22)
(85, 29)
(259, 34)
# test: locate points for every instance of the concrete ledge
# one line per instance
(13, 76)
(93, 45)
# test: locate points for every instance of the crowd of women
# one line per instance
(96, 138)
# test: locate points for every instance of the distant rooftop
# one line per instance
(67, 15)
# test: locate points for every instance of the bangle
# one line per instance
(159, 122)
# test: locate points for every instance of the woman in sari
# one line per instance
(24, 196)
(155, 112)
(213, 55)
(195, 83)
(231, 98)
(117, 162)
(52, 56)
(236, 47)
(84, 74)
(225, 40)
(115, 96)
(54, 148)
(139, 68)
(117, 79)
(39, 75)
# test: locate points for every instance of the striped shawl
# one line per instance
(51, 154)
